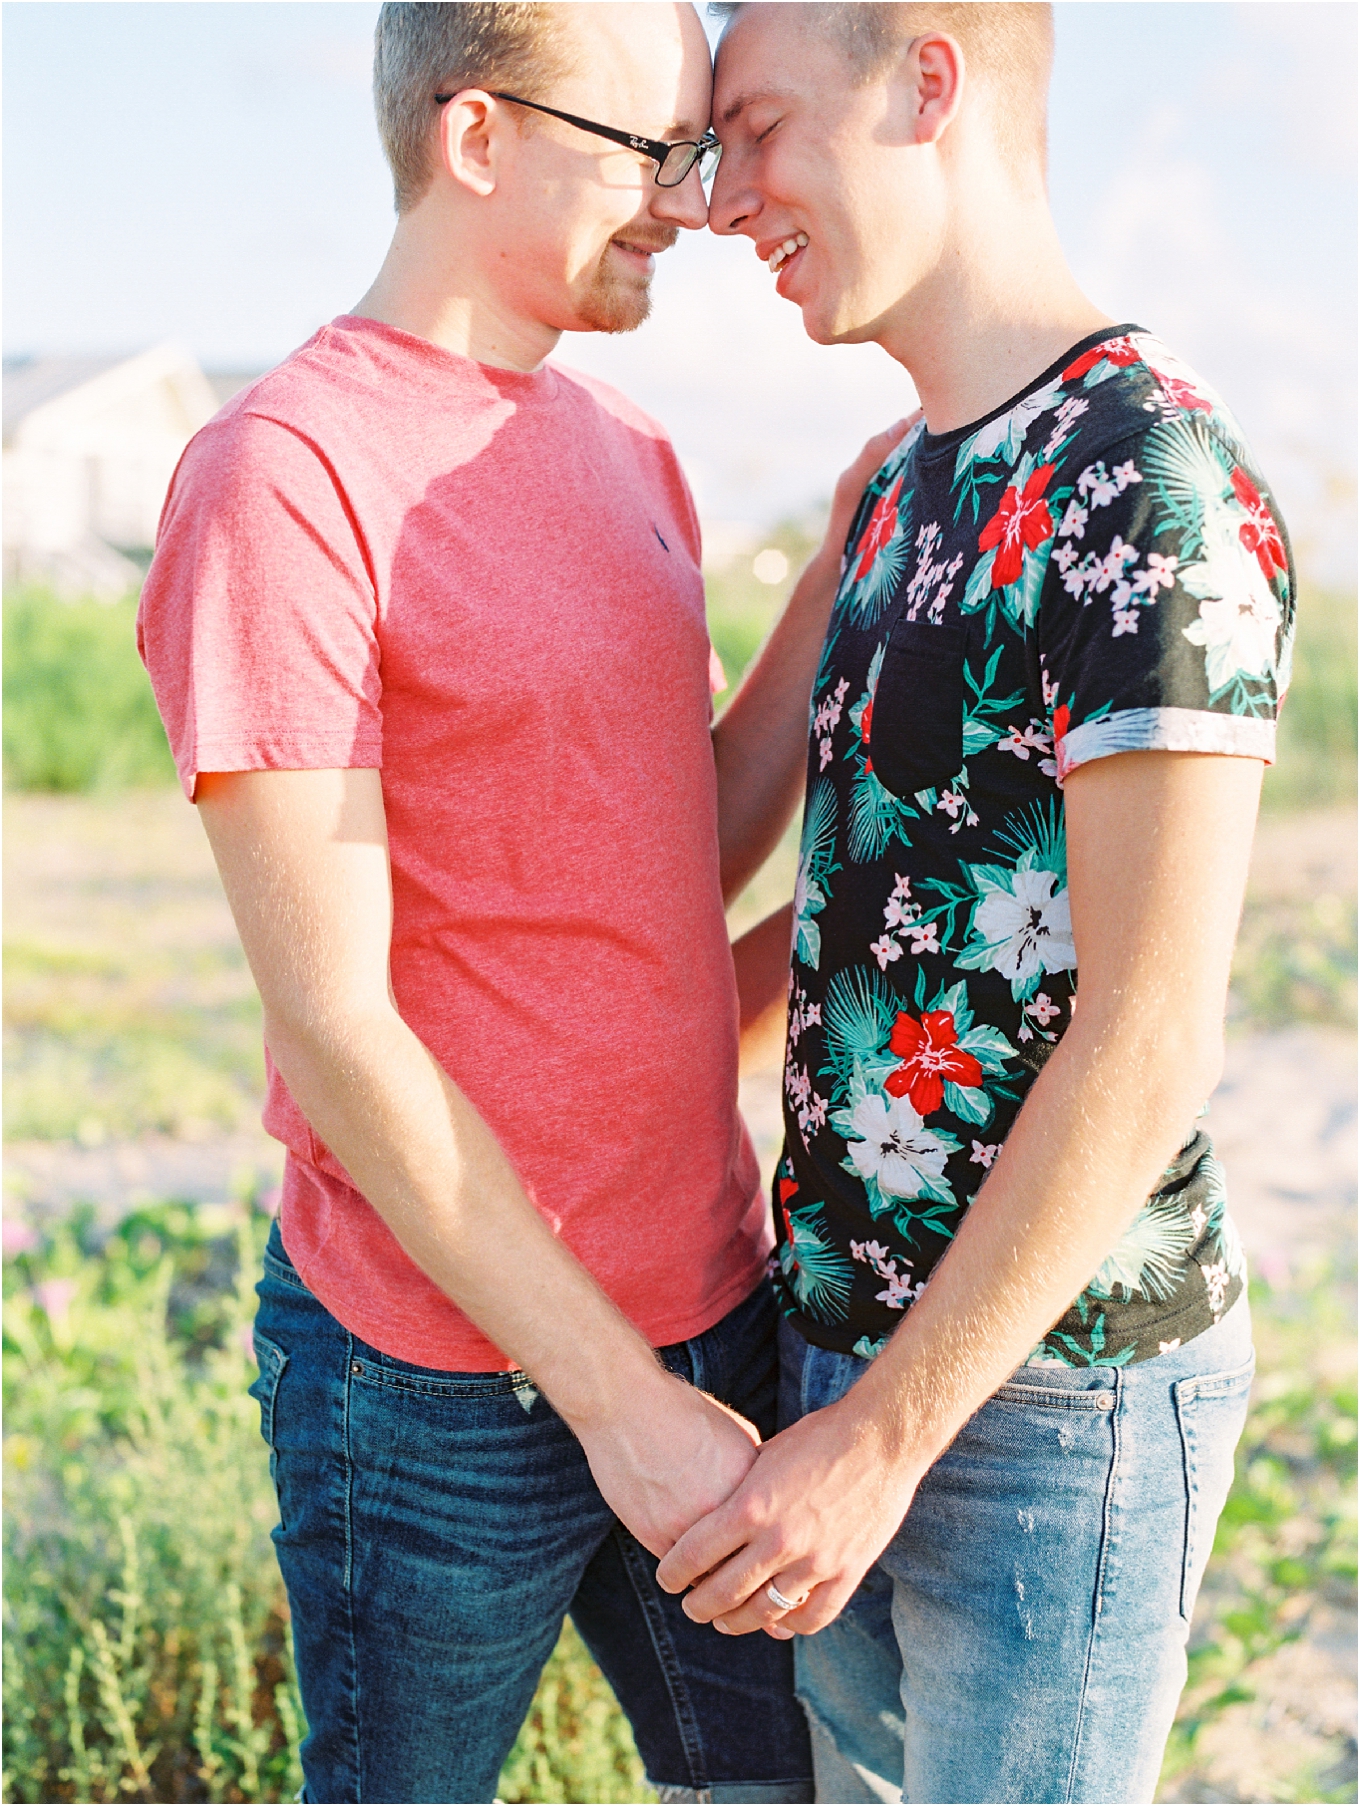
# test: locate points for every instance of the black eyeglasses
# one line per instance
(673, 161)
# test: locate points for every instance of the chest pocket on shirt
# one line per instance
(916, 740)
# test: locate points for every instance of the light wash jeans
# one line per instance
(1023, 1636)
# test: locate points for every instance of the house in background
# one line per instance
(90, 445)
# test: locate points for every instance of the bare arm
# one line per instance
(760, 743)
(1158, 848)
(303, 857)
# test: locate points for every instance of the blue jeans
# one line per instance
(435, 1529)
(1023, 1635)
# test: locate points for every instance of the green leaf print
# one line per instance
(816, 1272)
(812, 886)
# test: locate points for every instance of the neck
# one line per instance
(999, 307)
(433, 283)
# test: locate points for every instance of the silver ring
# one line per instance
(775, 1597)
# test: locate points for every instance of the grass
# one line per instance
(146, 1637)
(79, 713)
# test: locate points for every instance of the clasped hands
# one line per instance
(810, 1510)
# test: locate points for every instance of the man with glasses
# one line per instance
(426, 627)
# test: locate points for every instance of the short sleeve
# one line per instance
(258, 615)
(1166, 614)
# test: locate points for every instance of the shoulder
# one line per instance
(1127, 391)
(610, 404)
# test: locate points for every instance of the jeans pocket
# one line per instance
(1211, 1409)
(271, 1361)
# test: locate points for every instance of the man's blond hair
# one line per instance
(1007, 48)
(424, 49)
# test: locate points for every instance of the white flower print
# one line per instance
(924, 937)
(1239, 616)
(1216, 1285)
(1023, 741)
(893, 1147)
(901, 1292)
(1010, 428)
(1043, 1010)
(1028, 928)
(1065, 557)
(1101, 487)
(897, 913)
(984, 1153)
(1125, 621)
(885, 950)
(1073, 527)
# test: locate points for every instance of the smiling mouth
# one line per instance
(781, 253)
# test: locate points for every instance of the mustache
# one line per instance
(649, 240)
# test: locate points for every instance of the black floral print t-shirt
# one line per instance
(1097, 567)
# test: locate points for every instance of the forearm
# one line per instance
(760, 743)
(1101, 1124)
(432, 1169)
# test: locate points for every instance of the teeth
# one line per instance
(782, 252)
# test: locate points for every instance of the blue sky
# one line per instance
(209, 172)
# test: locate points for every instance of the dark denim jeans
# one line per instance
(435, 1529)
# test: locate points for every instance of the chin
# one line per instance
(610, 306)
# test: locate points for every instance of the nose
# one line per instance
(732, 207)
(684, 205)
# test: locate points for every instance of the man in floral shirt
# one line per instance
(1013, 1298)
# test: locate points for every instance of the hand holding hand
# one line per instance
(672, 1457)
(853, 481)
(819, 1506)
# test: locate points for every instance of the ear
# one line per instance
(934, 67)
(471, 128)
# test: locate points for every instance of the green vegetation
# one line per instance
(1317, 745)
(146, 1648)
(146, 1640)
(79, 713)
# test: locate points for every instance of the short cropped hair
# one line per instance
(424, 49)
(1007, 47)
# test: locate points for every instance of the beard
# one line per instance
(617, 300)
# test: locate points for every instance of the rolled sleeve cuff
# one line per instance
(1166, 730)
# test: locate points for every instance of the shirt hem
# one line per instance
(460, 1354)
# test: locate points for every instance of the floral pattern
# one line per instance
(1096, 568)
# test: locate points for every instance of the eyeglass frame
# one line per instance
(656, 148)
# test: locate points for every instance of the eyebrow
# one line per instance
(745, 100)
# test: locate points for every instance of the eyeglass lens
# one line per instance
(681, 161)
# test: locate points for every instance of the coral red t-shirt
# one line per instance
(486, 584)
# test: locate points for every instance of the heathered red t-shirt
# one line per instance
(487, 584)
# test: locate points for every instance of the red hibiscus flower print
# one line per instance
(1022, 520)
(930, 1054)
(1182, 394)
(882, 525)
(787, 1189)
(1259, 534)
(866, 723)
(1118, 352)
(1062, 718)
